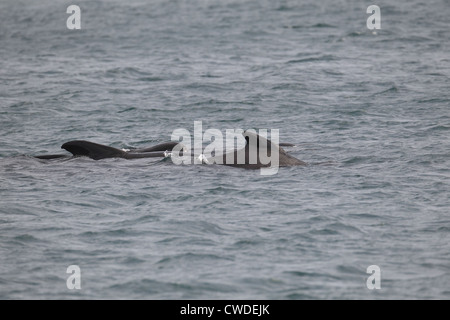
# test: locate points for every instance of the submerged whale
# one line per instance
(254, 155)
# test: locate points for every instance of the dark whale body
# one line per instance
(98, 151)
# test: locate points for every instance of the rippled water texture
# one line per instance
(368, 111)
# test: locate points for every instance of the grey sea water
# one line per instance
(369, 111)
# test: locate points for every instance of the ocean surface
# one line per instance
(368, 110)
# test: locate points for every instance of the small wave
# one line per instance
(150, 79)
(322, 25)
(327, 57)
(393, 89)
(438, 127)
(315, 275)
(356, 160)
(127, 110)
(26, 238)
(317, 25)
(355, 34)
(192, 257)
(132, 72)
(434, 100)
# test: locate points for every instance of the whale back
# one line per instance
(256, 146)
(92, 150)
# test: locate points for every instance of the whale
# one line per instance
(98, 151)
(257, 154)
(253, 156)
(95, 151)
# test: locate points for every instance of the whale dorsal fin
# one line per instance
(92, 150)
(255, 140)
(258, 142)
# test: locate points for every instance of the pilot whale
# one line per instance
(258, 152)
(254, 155)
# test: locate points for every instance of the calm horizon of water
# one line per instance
(368, 111)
